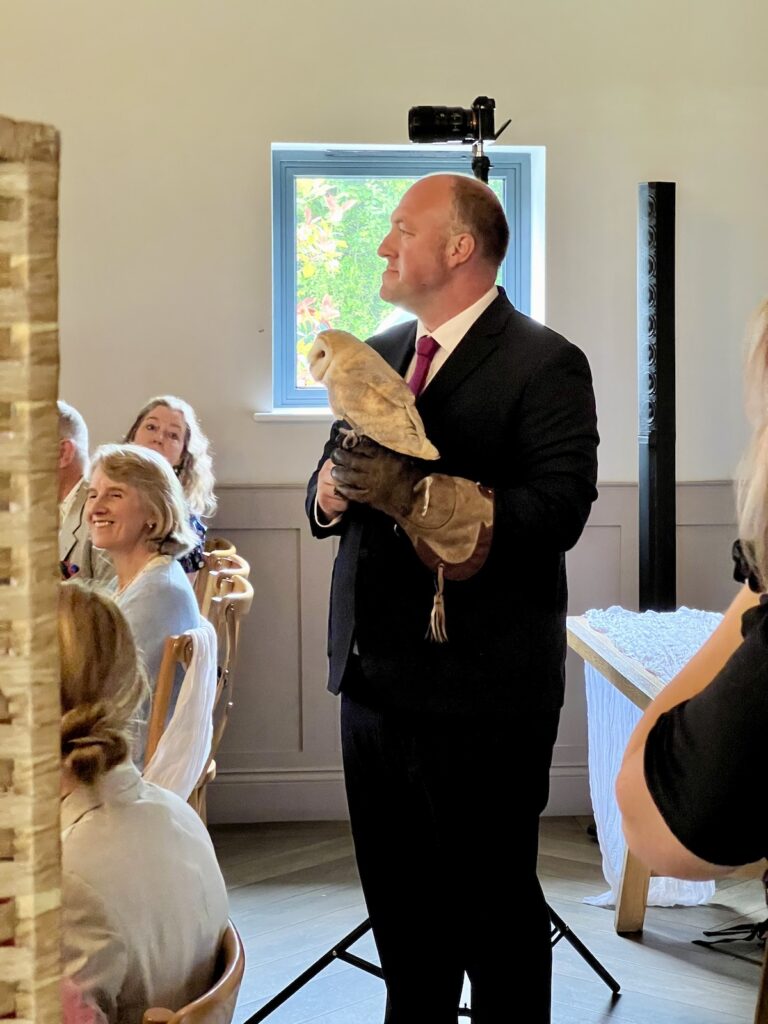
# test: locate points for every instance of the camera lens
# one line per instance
(441, 124)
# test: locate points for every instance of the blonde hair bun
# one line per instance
(102, 682)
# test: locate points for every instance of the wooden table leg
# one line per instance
(633, 894)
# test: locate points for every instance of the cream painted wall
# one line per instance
(167, 109)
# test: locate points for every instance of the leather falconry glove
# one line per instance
(448, 519)
(377, 476)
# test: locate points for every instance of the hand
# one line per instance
(329, 501)
(376, 476)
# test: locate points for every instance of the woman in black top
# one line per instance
(690, 786)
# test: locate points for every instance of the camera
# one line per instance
(473, 125)
(453, 124)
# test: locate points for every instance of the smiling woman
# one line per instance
(136, 511)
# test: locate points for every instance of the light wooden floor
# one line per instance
(294, 892)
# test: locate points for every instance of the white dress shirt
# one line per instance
(449, 334)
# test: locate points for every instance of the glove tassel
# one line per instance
(437, 631)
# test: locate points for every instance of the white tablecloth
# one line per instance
(663, 642)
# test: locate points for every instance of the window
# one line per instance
(331, 209)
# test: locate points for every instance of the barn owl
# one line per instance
(364, 390)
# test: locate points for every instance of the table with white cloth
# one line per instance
(628, 659)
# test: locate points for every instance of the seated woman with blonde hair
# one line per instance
(136, 512)
(694, 764)
(168, 425)
(144, 902)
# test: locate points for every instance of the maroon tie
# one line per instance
(425, 351)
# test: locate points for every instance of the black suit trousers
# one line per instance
(445, 814)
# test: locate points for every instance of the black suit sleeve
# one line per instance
(556, 440)
(309, 505)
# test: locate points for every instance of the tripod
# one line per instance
(340, 951)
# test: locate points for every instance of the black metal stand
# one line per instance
(560, 930)
(656, 394)
(340, 951)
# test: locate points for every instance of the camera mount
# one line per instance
(473, 125)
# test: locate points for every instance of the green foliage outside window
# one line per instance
(340, 223)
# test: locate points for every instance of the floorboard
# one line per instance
(294, 892)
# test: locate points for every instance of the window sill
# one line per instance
(306, 415)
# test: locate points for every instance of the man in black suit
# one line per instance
(447, 746)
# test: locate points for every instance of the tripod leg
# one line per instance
(583, 951)
(319, 965)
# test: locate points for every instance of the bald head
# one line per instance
(467, 205)
(448, 235)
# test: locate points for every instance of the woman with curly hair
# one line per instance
(691, 770)
(144, 903)
(169, 426)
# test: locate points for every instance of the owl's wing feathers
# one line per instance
(383, 409)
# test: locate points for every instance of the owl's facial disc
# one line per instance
(319, 358)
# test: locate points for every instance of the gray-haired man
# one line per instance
(77, 556)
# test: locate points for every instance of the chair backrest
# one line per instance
(217, 1005)
(229, 605)
(176, 651)
(219, 545)
(218, 565)
(181, 744)
(214, 547)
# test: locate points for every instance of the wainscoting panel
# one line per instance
(280, 758)
(270, 652)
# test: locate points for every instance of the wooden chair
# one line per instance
(220, 545)
(176, 651)
(217, 1005)
(228, 606)
(217, 565)
(214, 547)
(177, 748)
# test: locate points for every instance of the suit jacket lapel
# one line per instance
(70, 528)
(474, 348)
(400, 352)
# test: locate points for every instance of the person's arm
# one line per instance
(329, 504)
(647, 834)
(325, 508)
(556, 448)
(700, 670)
(93, 951)
(693, 759)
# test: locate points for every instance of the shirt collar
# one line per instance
(65, 506)
(119, 785)
(449, 334)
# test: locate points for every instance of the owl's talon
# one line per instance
(350, 438)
